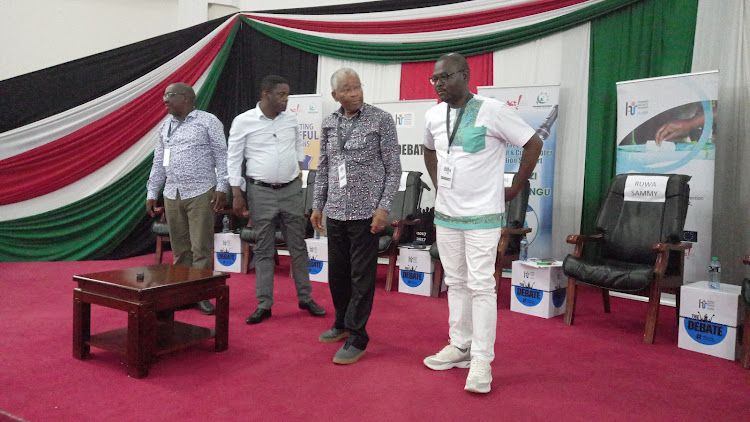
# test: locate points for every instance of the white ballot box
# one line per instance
(317, 253)
(227, 252)
(415, 271)
(709, 319)
(538, 288)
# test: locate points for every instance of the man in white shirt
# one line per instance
(268, 138)
(465, 139)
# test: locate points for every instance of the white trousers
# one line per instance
(468, 259)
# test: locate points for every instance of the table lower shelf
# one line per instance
(171, 336)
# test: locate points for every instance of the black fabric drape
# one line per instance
(34, 96)
(253, 57)
(365, 7)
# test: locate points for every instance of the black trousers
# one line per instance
(353, 265)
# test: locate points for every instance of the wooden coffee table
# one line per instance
(150, 304)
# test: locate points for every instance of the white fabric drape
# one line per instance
(381, 82)
(563, 59)
(722, 41)
(450, 34)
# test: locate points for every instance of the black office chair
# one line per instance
(508, 247)
(640, 249)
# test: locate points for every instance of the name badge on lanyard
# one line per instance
(167, 151)
(165, 162)
(342, 174)
(447, 169)
(445, 178)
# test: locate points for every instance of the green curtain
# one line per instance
(646, 39)
(94, 226)
(427, 51)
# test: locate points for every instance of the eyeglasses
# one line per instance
(443, 78)
(350, 89)
(170, 95)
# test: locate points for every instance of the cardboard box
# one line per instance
(317, 249)
(318, 270)
(698, 301)
(708, 338)
(531, 274)
(415, 282)
(538, 290)
(415, 259)
(709, 319)
(228, 261)
(544, 304)
(227, 242)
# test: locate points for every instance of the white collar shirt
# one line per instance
(273, 148)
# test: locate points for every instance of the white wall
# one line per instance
(41, 33)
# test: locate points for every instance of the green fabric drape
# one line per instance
(94, 226)
(647, 39)
(428, 51)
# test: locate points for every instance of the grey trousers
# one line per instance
(191, 229)
(271, 209)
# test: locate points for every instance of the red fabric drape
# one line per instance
(416, 86)
(22, 177)
(423, 25)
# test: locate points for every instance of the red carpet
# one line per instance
(597, 369)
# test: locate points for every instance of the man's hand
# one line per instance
(316, 220)
(150, 204)
(379, 220)
(239, 207)
(218, 201)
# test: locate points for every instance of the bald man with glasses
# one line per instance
(190, 163)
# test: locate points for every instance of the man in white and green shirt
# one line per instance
(465, 139)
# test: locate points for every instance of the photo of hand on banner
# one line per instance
(669, 140)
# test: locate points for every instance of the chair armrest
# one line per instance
(401, 223)
(665, 247)
(662, 259)
(580, 239)
(519, 231)
(746, 260)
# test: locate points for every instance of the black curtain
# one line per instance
(253, 57)
(37, 95)
(365, 7)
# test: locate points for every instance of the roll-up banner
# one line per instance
(410, 124)
(666, 125)
(308, 108)
(537, 106)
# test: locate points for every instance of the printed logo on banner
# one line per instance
(404, 119)
(636, 108)
(315, 266)
(412, 278)
(705, 332)
(528, 296)
(514, 103)
(226, 258)
(558, 297)
(542, 98)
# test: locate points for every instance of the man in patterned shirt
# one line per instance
(190, 162)
(465, 138)
(358, 176)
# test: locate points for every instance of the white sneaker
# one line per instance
(480, 376)
(449, 357)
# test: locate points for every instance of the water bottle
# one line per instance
(316, 235)
(225, 224)
(524, 253)
(714, 274)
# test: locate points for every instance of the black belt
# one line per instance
(269, 185)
